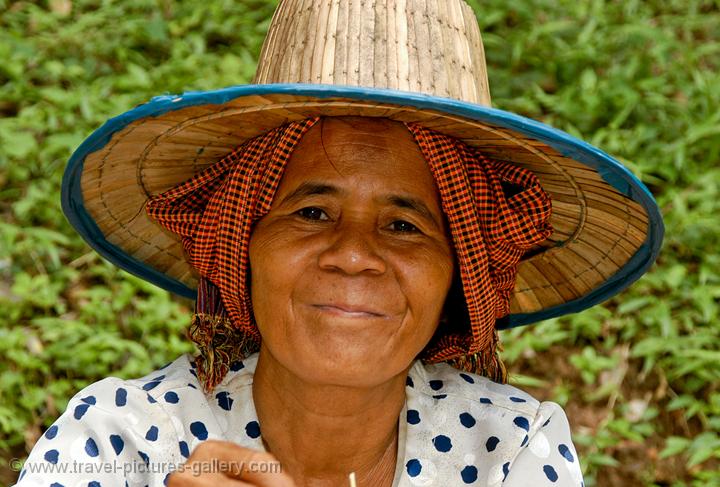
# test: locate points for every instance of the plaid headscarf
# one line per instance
(496, 211)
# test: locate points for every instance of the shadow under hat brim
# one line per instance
(332, 100)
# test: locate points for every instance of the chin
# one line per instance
(347, 366)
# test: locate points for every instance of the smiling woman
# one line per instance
(348, 283)
(353, 244)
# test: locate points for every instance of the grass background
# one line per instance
(638, 376)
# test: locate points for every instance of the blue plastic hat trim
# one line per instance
(614, 173)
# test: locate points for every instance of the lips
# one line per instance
(350, 311)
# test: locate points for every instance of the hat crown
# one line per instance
(423, 46)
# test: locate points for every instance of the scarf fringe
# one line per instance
(486, 363)
(220, 345)
(453, 350)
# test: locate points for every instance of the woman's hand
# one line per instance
(220, 463)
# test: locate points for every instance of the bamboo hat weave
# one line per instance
(418, 61)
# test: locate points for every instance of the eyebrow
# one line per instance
(311, 188)
(412, 204)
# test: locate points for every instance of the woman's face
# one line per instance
(351, 266)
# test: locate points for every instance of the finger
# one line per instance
(204, 480)
(258, 468)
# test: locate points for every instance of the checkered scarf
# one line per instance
(496, 211)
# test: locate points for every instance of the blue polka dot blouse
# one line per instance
(456, 429)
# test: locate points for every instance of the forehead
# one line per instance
(354, 151)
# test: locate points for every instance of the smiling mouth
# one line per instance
(347, 312)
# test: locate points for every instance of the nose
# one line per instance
(352, 249)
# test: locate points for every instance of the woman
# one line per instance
(331, 252)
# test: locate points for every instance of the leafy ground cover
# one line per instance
(638, 376)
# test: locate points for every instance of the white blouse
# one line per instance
(455, 429)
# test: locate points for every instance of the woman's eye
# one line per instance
(404, 227)
(312, 213)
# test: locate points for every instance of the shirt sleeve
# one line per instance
(112, 433)
(549, 457)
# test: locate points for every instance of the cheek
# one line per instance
(270, 253)
(429, 273)
(277, 264)
(426, 279)
(266, 275)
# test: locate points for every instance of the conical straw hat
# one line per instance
(407, 60)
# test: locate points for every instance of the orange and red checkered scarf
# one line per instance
(214, 213)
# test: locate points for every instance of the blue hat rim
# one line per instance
(612, 172)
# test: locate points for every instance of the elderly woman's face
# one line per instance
(351, 266)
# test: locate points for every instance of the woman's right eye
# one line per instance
(312, 213)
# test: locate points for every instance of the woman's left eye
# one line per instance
(404, 227)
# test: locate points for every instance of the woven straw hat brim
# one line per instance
(608, 228)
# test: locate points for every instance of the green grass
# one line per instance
(641, 79)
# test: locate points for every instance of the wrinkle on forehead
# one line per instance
(370, 137)
(362, 148)
(376, 133)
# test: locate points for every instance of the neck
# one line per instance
(320, 433)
